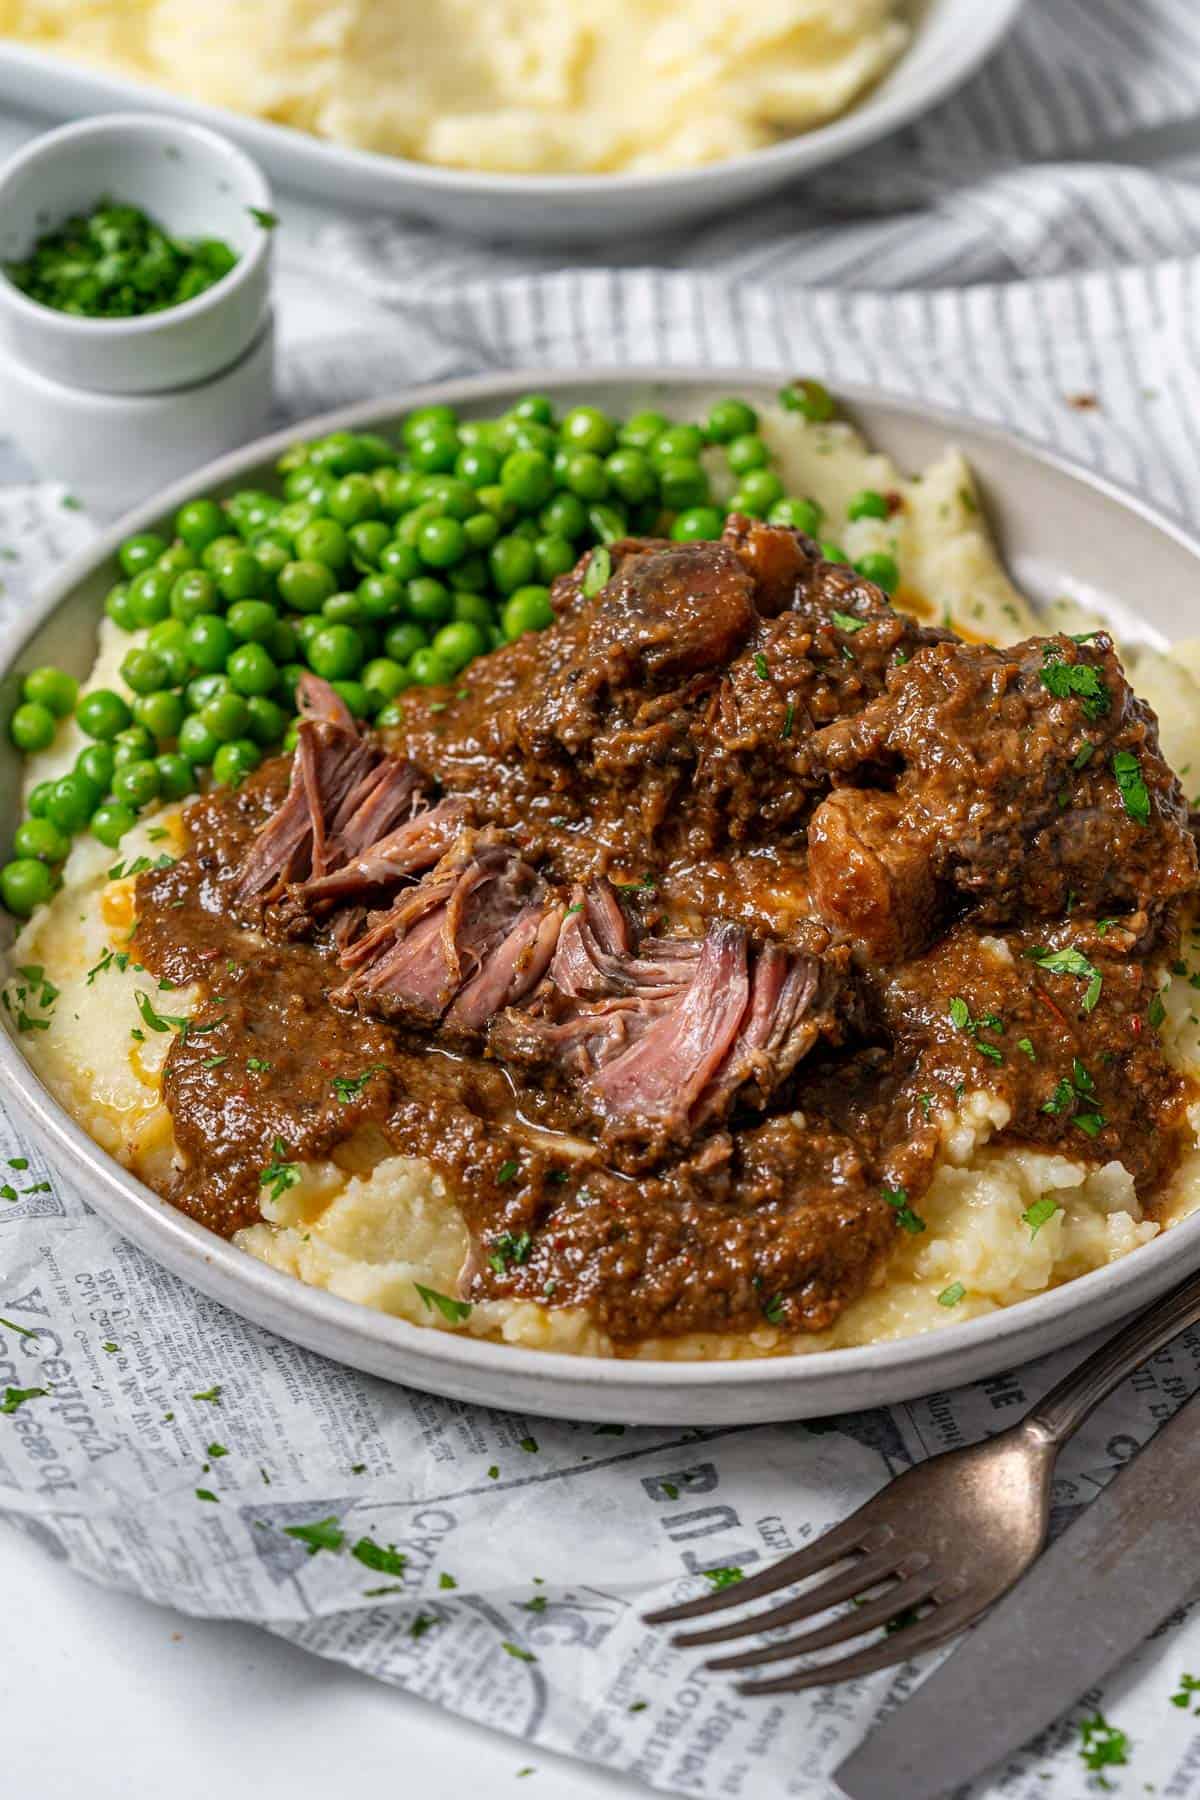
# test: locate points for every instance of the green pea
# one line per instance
(39, 795)
(747, 452)
(676, 441)
(194, 594)
(585, 476)
(538, 409)
(375, 448)
(355, 696)
(454, 498)
(252, 621)
(513, 563)
(867, 504)
(354, 499)
(404, 640)
(225, 716)
(110, 822)
(343, 609)
(176, 776)
(24, 885)
(39, 839)
(252, 670)
(474, 433)
(683, 483)
(833, 553)
(493, 499)
(381, 597)
(175, 560)
(145, 671)
(32, 727)
(527, 478)
(882, 569)
(729, 419)
(801, 514)
(268, 721)
(71, 801)
(434, 449)
(290, 676)
(458, 642)
(241, 576)
(642, 430)
(475, 609)
(441, 543)
(477, 464)
(529, 609)
(307, 627)
(401, 561)
(429, 600)
(471, 574)
(587, 428)
(761, 488)
(119, 607)
(196, 741)
(390, 715)
(423, 417)
(130, 746)
(95, 763)
(272, 552)
(336, 652)
(383, 679)
(632, 476)
(139, 552)
(554, 557)
(811, 399)
(219, 551)
(393, 488)
(51, 688)
(564, 516)
(102, 713)
(209, 642)
(306, 585)
(482, 529)
(161, 714)
(298, 481)
(338, 454)
(368, 541)
(409, 528)
(136, 784)
(198, 523)
(150, 596)
(745, 503)
(698, 522)
(292, 518)
(235, 760)
(428, 669)
(527, 434)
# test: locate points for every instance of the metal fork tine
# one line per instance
(839, 1541)
(942, 1623)
(857, 1623)
(866, 1573)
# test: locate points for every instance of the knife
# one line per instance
(1088, 1602)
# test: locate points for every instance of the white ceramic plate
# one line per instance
(950, 40)
(1062, 529)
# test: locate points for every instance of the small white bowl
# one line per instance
(190, 180)
(112, 450)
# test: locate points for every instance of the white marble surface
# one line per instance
(106, 1695)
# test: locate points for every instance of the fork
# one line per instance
(928, 1554)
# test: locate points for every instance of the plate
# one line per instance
(1061, 529)
(951, 38)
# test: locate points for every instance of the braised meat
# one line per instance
(674, 935)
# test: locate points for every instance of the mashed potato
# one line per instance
(374, 1227)
(531, 86)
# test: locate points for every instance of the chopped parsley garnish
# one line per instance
(529, 1445)
(1039, 1214)
(446, 1581)
(506, 1172)
(1101, 1745)
(111, 958)
(255, 1064)
(760, 666)
(268, 220)
(216, 1450)
(322, 1534)
(1188, 1685)
(598, 571)
(952, 1295)
(279, 1175)
(773, 1310)
(1083, 755)
(111, 1348)
(494, 1472)
(158, 1021)
(925, 1101)
(387, 1561)
(213, 1062)
(906, 1218)
(960, 1018)
(1025, 1046)
(350, 1087)
(538, 1604)
(788, 718)
(722, 1577)
(453, 1311)
(1127, 771)
(507, 1250)
(516, 1650)
(846, 621)
(15, 1397)
(1062, 1099)
(212, 1395)
(421, 1624)
(37, 991)
(1074, 680)
(21, 1330)
(207, 1494)
(1070, 962)
(636, 1706)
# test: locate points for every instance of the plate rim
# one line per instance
(877, 113)
(216, 1266)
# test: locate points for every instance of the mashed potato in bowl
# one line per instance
(1002, 1222)
(524, 86)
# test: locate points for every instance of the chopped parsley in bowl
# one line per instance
(116, 262)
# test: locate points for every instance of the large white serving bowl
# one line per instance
(951, 38)
(1061, 529)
